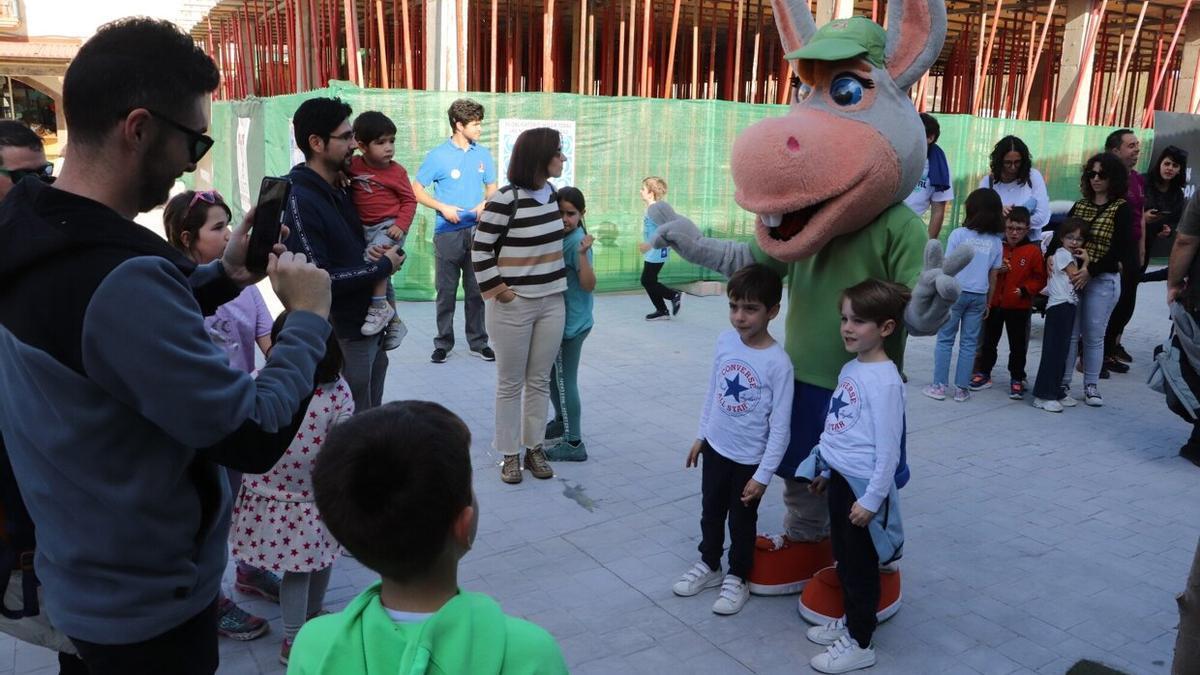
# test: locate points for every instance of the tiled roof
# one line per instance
(38, 50)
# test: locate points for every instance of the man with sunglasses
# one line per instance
(21, 156)
(117, 408)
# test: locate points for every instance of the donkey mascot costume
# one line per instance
(827, 183)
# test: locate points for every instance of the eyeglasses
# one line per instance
(207, 196)
(1012, 162)
(44, 173)
(1072, 237)
(347, 137)
(1095, 174)
(200, 143)
(1016, 228)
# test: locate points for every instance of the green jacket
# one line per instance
(468, 635)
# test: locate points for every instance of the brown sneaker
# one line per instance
(535, 461)
(510, 470)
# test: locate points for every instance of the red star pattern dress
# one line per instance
(276, 526)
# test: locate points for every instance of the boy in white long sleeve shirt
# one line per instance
(744, 431)
(861, 448)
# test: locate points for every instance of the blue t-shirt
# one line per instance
(458, 177)
(988, 250)
(579, 301)
(654, 255)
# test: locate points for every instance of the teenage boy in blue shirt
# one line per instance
(463, 176)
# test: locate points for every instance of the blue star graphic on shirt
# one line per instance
(734, 388)
(836, 405)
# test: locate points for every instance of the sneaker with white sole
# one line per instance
(961, 394)
(1068, 402)
(843, 656)
(734, 594)
(829, 633)
(1048, 406)
(379, 314)
(394, 334)
(936, 392)
(1091, 396)
(696, 579)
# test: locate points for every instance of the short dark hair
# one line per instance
(318, 117)
(372, 125)
(1003, 147)
(1115, 139)
(984, 212)
(133, 63)
(1018, 214)
(389, 483)
(464, 110)
(1067, 226)
(877, 301)
(531, 155)
(1115, 169)
(757, 283)
(329, 368)
(14, 134)
(932, 128)
(574, 196)
(181, 215)
(1154, 173)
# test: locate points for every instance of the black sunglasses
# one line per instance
(1095, 174)
(200, 143)
(44, 173)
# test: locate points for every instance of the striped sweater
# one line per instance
(530, 260)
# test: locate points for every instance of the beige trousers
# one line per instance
(526, 334)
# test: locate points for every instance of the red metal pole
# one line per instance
(1149, 116)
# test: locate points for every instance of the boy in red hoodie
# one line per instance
(1022, 277)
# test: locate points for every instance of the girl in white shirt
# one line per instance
(1064, 257)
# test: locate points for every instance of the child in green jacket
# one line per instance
(393, 485)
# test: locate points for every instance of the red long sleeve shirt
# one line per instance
(1025, 278)
(380, 194)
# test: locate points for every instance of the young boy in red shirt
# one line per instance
(386, 205)
(1022, 276)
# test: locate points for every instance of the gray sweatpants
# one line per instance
(452, 251)
(301, 595)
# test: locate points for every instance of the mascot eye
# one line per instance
(846, 91)
(800, 91)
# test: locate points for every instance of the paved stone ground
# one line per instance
(1033, 539)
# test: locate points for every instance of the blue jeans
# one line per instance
(1096, 303)
(966, 317)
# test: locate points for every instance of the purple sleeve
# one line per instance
(262, 315)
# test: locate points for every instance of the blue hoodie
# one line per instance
(117, 409)
(325, 227)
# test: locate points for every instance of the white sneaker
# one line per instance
(1091, 396)
(1048, 406)
(698, 578)
(1068, 402)
(734, 594)
(829, 633)
(843, 656)
(378, 316)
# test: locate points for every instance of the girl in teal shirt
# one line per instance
(581, 281)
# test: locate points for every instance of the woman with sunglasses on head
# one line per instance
(518, 258)
(1110, 245)
(1164, 204)
(1012, 176)
(197, 223)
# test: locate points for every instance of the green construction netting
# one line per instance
(617, 142)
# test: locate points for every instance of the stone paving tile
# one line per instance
(1033, 540)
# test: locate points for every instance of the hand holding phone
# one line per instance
(268, 222)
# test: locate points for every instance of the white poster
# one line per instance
(243, 168)
(511, 128)
(297, 155)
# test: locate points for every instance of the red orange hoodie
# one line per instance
(1025, 278)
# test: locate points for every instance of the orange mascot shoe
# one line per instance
(783, 567)
(821, 602)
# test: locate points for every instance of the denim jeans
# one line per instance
(966, 318)
(1096, 303)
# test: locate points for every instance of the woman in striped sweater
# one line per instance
(518, 260)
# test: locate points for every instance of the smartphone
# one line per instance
(268, 222)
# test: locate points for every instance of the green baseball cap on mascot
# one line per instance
(845, 39)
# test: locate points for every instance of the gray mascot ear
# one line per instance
(916, 32)
(795, 23)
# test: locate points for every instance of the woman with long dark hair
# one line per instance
(1110, 245)
(518, 259)
(1012, 176)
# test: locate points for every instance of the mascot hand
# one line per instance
(681, 234)
(936, 289)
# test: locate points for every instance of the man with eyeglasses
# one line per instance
(117, 409)
(21, 155)
(325, 226)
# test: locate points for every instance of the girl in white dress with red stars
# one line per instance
(275, 521)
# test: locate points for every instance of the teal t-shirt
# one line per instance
(458, 178)
(579, 302)
(654, 255)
